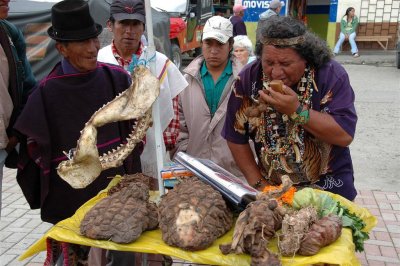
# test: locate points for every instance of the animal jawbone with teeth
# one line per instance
(134, 103)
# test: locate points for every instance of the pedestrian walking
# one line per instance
(239, 28)
(273, 10)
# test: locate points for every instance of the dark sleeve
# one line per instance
(32, 120)
(235, 101)
(241, 28)
(28, 79)
(338, 99)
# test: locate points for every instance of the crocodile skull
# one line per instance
(134, 103)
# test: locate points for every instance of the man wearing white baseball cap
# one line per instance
(239, 28)
(202, 105)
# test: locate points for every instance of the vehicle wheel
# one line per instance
(176, 55)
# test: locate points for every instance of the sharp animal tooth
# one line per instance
(284, 164)
(270, 171)
(85, 155)
(298, 140)
(297, 153)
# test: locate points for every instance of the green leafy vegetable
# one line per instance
(304, 198)
(356, 224)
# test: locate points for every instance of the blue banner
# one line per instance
(256, 7)
(333, 10)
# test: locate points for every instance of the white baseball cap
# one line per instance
(218, 28)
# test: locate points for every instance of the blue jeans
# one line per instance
(3, 156)
(352, 42)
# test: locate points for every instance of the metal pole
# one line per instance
(156, 106)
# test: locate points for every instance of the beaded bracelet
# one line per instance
(258, 183)
(299, 109)
(302, 118)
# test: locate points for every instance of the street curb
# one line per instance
(388, 63)
(371, 58)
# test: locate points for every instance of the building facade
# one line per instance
(377, 18)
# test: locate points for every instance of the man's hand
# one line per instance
(286, 103)
(12, 142)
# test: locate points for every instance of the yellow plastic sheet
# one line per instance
(341, 252)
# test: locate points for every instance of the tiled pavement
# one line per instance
(21, 227)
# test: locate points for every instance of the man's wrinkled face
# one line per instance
(215, 53)
(282, 63)
(127, 34)
(81, 54)
(4, 9)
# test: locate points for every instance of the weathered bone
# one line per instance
(134, 103)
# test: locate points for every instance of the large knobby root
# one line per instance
(124, 214)
(322, 233)
(193, 215)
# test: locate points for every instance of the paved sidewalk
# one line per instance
(21, 227)
(368, 57)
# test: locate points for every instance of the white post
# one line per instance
(156, 106)
(286, 7)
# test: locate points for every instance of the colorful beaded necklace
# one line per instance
(281, 136)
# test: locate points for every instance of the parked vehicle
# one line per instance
(187, 21)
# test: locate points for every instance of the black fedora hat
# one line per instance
(71, 21)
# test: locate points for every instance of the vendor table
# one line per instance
(341, 252)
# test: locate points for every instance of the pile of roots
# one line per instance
(256, 225)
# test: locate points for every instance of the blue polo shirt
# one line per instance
(213, 91)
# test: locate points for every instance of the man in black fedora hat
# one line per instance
(62, 103)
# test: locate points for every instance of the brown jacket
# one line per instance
(200, 134)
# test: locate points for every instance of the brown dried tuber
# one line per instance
(193, 215)
(256, 225)
(124, 214)
(322, 233)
